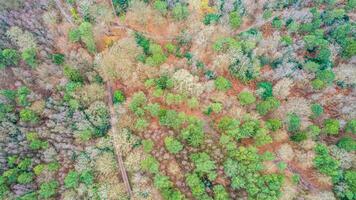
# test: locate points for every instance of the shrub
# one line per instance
(293, 122)
(25, 178)
(265, 89)
(48, 189)
(274, 124)
(9, 57)
(193, 134)
(87, 36)
(268, 105)
(325, 163)
(27, 115)
(204, 165)
(235, 20)
(147, 145)
(331, 126)
(222, 84)
(29, 56)
(180, 12)
(161, 6)
(298, 137)
(150, 164)
(347, 143)
(246, 98)
(119, 97)
(73, 74)
(58, 58)
(317, 110)
(220, 193)
(71, 180)
(350, 126)
(74, 35)
(172, 145)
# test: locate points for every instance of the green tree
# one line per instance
(173, 145)
(58, 58)
(161, 6)
(274, 124)
(9, 57)
(293, 122)
(25, 178)
(27, 115)
(347, 143)
(147, 145)
(331, 126)
(180, 12)
(268, 105)
(246, 98)
(204, 165)
(29, 56)
(194, 134)
(235, 20)
(71, 180)
(118, 97)
(87, 36)
(325, 163)
(222, 84)
(317, 110)
(150, 164)
(265, 89)
(48, 189)
(220, 193)
(73, 74)
(350, 126)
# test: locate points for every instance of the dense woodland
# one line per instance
(178, 99)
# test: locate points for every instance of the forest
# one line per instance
(178, 99)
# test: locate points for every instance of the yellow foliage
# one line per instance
(206, 8)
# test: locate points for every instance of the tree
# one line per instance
(9, 57)
(194, 134)
(150, 164)
(29, 56)
(331, 126)
(180, 12)
(87, 36)
(350, 126)
(147, 145)
(119, 97)
(25, 178)
(162, 182)
(58, 58)
(271, 103)
(220, 193)
(27, 115)
(293, 122)
(235, 20)
(347, 143)
(317, 110)
(204, 165)
(246, 98)
(137, 102)
(71, 180)
(173, 145)
(161, 6)
(48, 189)
(325, 163)
(73, 74)
(274, 124)
(222, 84)
(265, 89)
(196, 186)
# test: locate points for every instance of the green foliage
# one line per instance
(193, 103)
(73, 74)
(153, 109)
(86, 177)
(248, 129)
(162, 182)
(325, 163)
(171, 118)
(204, 166)
(194, 134)
(9, 57)
(222, 84)
(287, 40)
(150, 164)
(225, 43)
(220, 193)
(22, 93)
(74, 35)
(229, 126)
(27, 115)
(298, 137)
(350, 48)
(235, 20)
(138, 101)
(347, 143)
(196, 186)
(118, 97)
(293, 122)
(313, 131)
(277, 23)
(143, 42)
(141, 124)
(211, 18)
(171, 48)
(246, 98)
(173, 145)
(350, 126)
(331, 126)
(267, 14)
(274, 124)
(180, 12)
(147, 145)
(156, 55)
(87, 36)
(29, 56)
(161, 6)
(318, 84)
(327, 76)
(71, 180)
(121, 6)
(25, 178)
(317, 110)
(265, 90)
(48, 189)
(58, 58)
(312, 66)
(268, 105)
(282, 166)
(262, 137)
